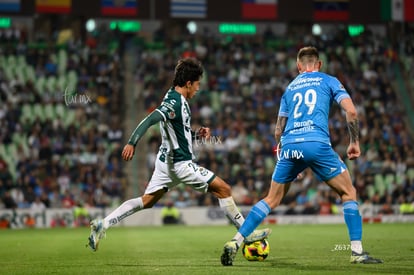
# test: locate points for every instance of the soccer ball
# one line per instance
(257, 251)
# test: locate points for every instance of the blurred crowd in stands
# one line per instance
(61, 124)
(60, 153)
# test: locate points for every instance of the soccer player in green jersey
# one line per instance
(174, 163)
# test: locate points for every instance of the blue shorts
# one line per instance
(296, 157)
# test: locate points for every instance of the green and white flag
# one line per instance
(397, 10)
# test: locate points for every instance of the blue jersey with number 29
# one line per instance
(307, 102)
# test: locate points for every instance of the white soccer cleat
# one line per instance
(97, 233)
(257, 235)
(229, 252)
(363, 258)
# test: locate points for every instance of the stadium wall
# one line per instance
(190, 216)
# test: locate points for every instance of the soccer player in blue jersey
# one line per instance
(174, 164)
(303, 133)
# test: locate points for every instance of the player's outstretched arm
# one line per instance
(352, 122)
(138, 133)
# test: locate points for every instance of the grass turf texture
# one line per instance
(294, 249)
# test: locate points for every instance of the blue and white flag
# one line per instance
(188, 8)
(10, 5)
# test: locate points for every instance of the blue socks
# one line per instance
(353, 220)
(256, 215)
(261, 209)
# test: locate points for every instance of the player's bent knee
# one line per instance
(219, 188)
(347, 193)
(224, 190)
(149, 200)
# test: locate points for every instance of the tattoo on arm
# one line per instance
(353, 128)
(280, 127)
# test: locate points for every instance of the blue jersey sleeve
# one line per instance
(283, 109)
(338, 90)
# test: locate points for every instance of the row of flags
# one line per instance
(323, 10)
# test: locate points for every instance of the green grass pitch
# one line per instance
(294, 249)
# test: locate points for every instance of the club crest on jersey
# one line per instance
(171, 114)
(203, 171)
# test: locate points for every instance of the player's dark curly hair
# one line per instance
(187, 69)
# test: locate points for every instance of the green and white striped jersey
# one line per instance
(175, 128)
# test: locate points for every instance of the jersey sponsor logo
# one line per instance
(167, 106)
(300, 83)
(306, 123)
(302, 130)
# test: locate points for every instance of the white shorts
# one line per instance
(186, 172)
